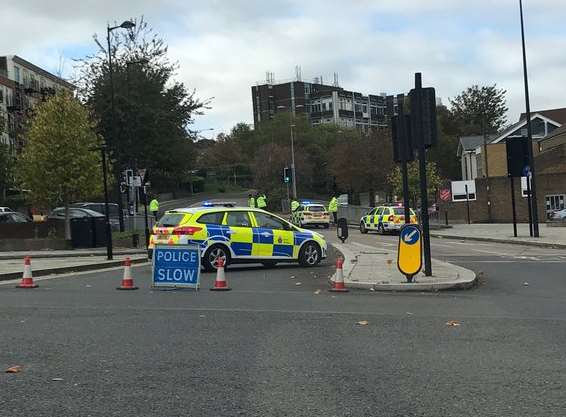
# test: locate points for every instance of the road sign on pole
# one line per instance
(176, 266)
(409, 251)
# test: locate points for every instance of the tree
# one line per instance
(153, 111)
(433, 181)
(362, 163)
(444, 154)
(479, 110)
(6, 170)
(60, 162)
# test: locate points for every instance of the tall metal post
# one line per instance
(293, 164)
(530, 207)
(145, 216)
(112, 130)
(423, 185)
(468, 204)
(406, 203)
(529, 130)
(513, 208)
(109, 254)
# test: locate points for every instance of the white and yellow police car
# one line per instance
(384, 219)
(311, 214)
(239, 235)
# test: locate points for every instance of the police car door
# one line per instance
(241, 233)
(273, 238)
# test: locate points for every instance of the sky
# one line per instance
(223, 47)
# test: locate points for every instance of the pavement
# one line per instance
(12, 268)
(372, 268)
(503, 233)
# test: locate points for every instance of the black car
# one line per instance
(13, 217)
(113, 211)
(74, 213)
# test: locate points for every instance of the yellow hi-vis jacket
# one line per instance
(333, 205)
(154, 205)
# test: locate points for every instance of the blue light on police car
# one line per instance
(207, 204)
(306, 202)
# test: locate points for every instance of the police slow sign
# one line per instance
(176, 266)
(409, 251)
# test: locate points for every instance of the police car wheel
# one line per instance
(310, 254)
(363, 228)
(212, 254)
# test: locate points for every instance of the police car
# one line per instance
(311, 214)
(239, 235)
(385, 219)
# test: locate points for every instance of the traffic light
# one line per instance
(286, 175)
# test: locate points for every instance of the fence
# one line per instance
(352, 213)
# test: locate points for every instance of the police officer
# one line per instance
(154, 207)
(333, 208)
(294, 205)
(261, 201)
(251, 201)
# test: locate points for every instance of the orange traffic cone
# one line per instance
(127, 280)
(27, 279)
(220, 282)
(338, 285)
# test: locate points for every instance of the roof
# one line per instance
(503, 135)
(557, 132)
(43, 72)
(469, 143)
(557, 115)
(193, 210)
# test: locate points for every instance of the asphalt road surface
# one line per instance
(271, 347)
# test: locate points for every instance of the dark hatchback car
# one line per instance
(74, 213)
(114, 212)
(13, 217)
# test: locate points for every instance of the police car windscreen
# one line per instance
(171, 219)
(316, 209)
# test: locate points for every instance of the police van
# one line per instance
(238, 235)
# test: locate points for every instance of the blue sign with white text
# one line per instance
(176, 266)
(410, 234)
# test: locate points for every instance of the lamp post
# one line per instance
(127, 24)
(529, 130)
(293, 173)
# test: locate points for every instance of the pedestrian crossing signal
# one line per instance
(286, 175)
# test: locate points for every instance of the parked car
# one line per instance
(13, 217)
(6, 210)
(114, 211)
(558, 215)
(74, 213)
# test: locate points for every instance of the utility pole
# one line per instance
(529, 130)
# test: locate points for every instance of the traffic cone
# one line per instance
(27, 279)
(338, 285)
(127, 280)
(220, 283)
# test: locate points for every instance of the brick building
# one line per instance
(491, 197)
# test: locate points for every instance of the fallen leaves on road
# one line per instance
(409, 313)
(57, 379)
(372, 289)
(317, 292)
(389, 262)
(452, 323)
(526, 284)
(362, 323)
(292, 276)
(14, 369)
(298, 283)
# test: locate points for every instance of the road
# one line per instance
(271, 347)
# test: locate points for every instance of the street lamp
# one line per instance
(529, 131)
(127, 24)
(293, 174)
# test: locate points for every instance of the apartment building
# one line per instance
(22, 86)
(322, 103)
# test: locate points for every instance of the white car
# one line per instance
(6, 210)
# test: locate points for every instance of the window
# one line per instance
(171, 219)
(316, 209)
(17, 74)
(270, 222)
(379, 211)
(238, 219)
(372, 212)
(211, 218)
